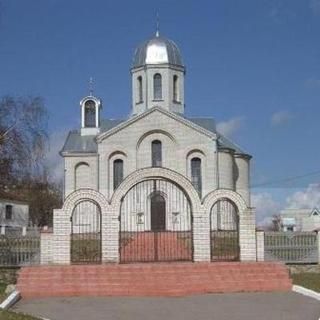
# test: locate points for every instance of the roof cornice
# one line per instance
(172, 115)
(78, 154)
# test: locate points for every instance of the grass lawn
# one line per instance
(2, 289)
(8, 315)
(307, 280)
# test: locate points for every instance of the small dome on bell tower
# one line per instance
(157, 76)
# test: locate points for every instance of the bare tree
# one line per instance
(23, 146)
(275, 224)
(23, 137)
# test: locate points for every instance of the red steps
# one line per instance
(161, 279)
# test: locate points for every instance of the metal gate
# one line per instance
(86, 233)
(155, 223)
(224, 231)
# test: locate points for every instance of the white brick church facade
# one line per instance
(156, 175)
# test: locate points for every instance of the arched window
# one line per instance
(90, 114)
(196, 178)
(82, 176)
(156, 152)
(157, 87)
(140, 90)
(117, 173)
(176, 97)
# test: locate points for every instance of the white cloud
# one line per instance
(315, 6)
(281, 117)
(230, 127)
(265, 206)
(54, 161)
(308, 198)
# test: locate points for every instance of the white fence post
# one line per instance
(260, 245)
(46, 242)
(3, 230)
(24, 231)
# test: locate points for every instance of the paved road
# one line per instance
(242, 306)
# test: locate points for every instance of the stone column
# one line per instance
(61, 238)
(110, 237)
(247, 235)
(201, 237)
(260, 245)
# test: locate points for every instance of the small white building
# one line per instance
(14, 213)
(300, 219)
(158, 185)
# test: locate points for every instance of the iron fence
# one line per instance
(291, 247)
(224, 231)
(86, 233)
(19, 250)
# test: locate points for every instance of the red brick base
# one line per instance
(158, 279)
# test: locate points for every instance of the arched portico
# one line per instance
(246, 220)
(144, 177)
(211, 198)
(155, 223)
(65, 222)
(150, 173)
(84, 194)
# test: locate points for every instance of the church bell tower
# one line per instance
(90, 114)
(157, 76)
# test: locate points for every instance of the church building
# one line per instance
(157, 186)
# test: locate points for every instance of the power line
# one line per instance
(314, 173)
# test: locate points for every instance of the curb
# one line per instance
(306, 292)
(11, 300)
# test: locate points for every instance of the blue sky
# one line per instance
(253, 65)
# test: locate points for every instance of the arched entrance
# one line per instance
(155, 223)
(224, 231)
(86, 233)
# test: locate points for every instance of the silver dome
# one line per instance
(157, 50)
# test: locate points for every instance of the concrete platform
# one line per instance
(237, 306)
